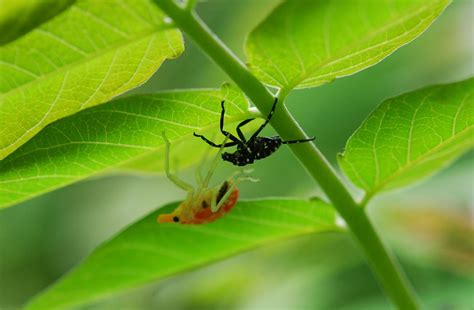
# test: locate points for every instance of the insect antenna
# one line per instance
(213, 166)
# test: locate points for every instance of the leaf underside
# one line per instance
(411, 136)
(309, 43)
(147, 251)
(92, 52)
(105, 137)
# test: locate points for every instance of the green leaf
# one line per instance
(309, 43)
(17, 17)
(154, 162)
(92, 52)
(148, 251)
(410, 137)
(112, 135)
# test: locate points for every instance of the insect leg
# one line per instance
(214, 144)
(297, 141)
(198, 172)
(214, 194)
(221, 125)
(214, 207)
(239, 132)
(269, 117)
(214, 163)
(173, 178)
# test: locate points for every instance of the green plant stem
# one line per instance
(382, 262)
(190, 5)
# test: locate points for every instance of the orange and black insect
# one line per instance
(203, 204)
(197, 209)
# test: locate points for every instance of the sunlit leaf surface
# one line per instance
(411, 136)
(92, 52)
(111, 135)
(148, 251)
(308, 43)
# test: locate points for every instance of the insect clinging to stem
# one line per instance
(204, 204)
(254, 148)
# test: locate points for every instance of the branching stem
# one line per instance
(382, 262)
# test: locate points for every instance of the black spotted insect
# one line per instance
(252, 149)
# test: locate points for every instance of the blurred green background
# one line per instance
(430, 226)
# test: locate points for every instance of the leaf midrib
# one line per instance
(232, 119)
(422, 157)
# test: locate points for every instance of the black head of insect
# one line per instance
(252, 149)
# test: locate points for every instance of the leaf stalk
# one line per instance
(380, 259)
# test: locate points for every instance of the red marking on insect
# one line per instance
(199, 212)
(203, 204)
(206, 215)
